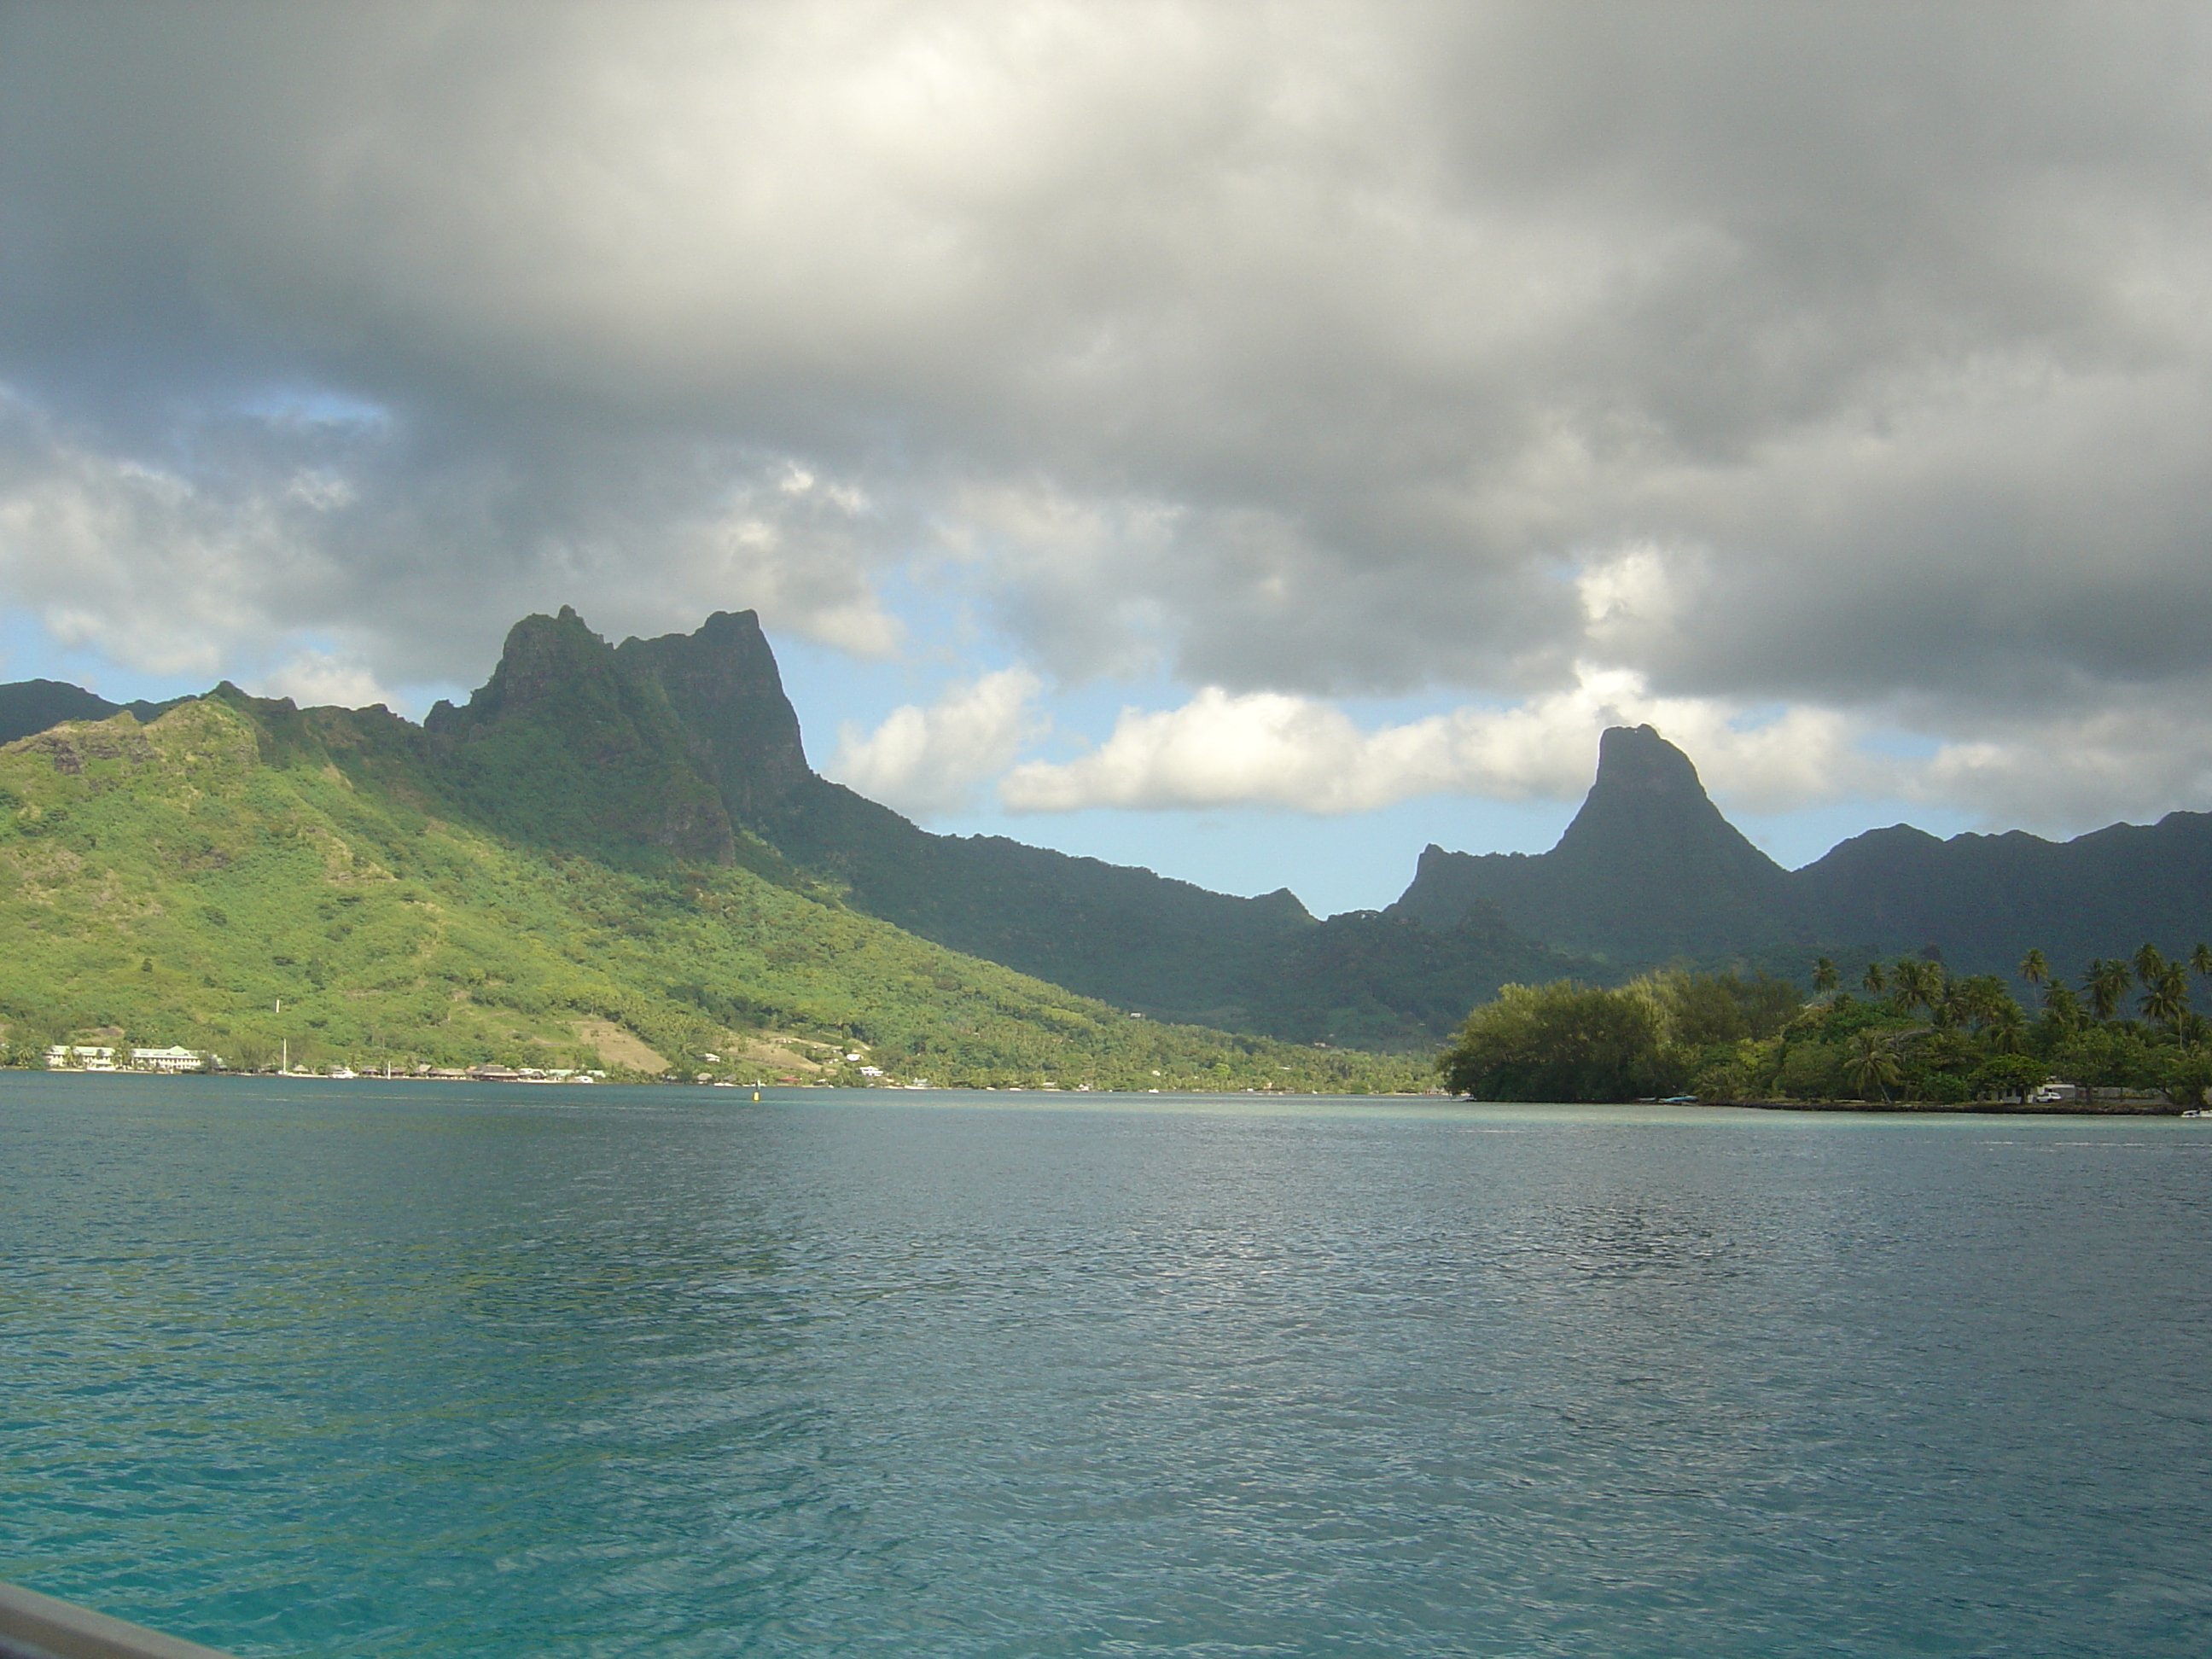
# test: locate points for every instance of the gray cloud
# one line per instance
(1849, 357)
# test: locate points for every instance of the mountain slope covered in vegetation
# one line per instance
(408, 896)
(686, 743)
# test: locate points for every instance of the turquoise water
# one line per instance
(352, 1369)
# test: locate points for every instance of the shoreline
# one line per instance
(2129, 1107)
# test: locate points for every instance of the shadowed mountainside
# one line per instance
(32, 706)
(644, 734)
(1984, 900)
(1650, 871)
(683, 751)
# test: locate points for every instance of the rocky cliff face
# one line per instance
(561, 747)
(725, 688)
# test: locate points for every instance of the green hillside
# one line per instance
(687, 742)
(410, 897)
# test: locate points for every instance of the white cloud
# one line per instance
(1221, 749)
(2058, 775)
(925, 762)
(316, 679)
(1812, 367)
(174, 570)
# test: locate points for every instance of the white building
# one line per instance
(79, 1057)
(165, 1059)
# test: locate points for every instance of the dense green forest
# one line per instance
(173, 883)
(1908, 1031)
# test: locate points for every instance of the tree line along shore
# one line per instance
(1899, 1034)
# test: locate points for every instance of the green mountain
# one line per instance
(1651, 871)
(541, 878)
(683, 753)
(1985, 901)
(1648, 870)
(687, 743)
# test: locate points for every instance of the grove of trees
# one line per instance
(1911, 1032)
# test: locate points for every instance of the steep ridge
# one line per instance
(722, 685)
(562, 749)
(1985, 901)
(1648, 869)
(1144, 941)
(1141, 940)
(684, 748)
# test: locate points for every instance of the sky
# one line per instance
(1250, 440)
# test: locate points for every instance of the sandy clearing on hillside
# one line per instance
(617, 1047)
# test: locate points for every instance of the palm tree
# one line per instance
(1905, 983)
(2167, 1000)
(2035, 967)
(2061, 1006)
(2200, 960)
(2006, 1028)
(1871, 1061)
(1982, 999)
(1872, 982)
(1824, 976)
(2106, 982)
(1919, 984)
(1953, 1006)
(2148, 964)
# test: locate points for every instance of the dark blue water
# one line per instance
(352, 1369)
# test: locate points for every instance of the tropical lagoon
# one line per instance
(302, 1367)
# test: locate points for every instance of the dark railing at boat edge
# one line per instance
(35, 1627)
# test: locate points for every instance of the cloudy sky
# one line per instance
(1248, 439)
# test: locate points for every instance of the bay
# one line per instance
(347, 1368)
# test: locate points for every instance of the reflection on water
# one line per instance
(359, 1369)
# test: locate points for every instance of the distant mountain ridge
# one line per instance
(1650, 870)
(29, 707)
(1984, 900)
(685, 747)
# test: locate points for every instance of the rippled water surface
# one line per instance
(353, 1369)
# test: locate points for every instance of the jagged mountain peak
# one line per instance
(1648, 808)
(544, 658)
(723, 682)
(1637, 757)
(562, 746)
(1648, 867)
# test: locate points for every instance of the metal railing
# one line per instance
(35, 1627)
